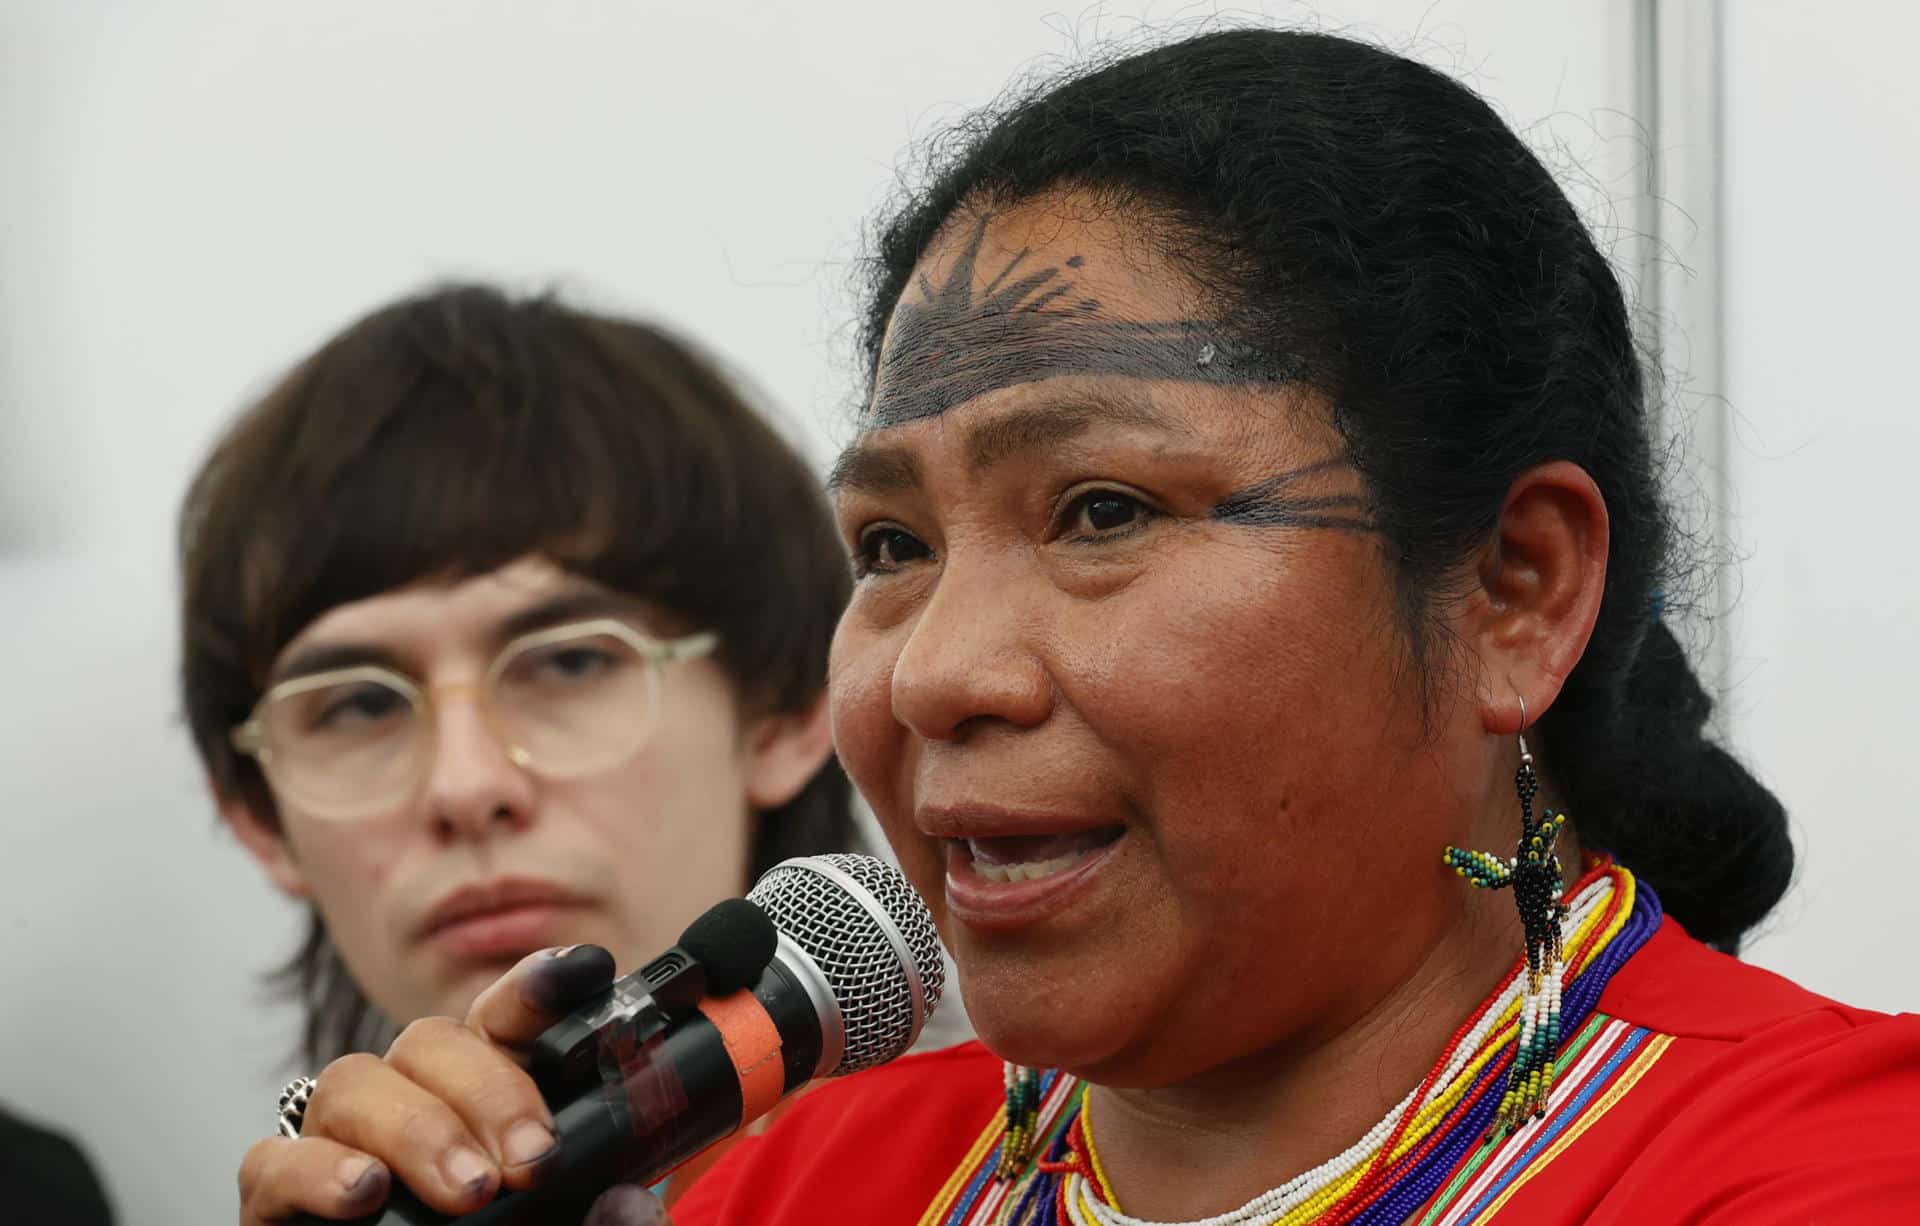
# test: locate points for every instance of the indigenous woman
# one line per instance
(1256, 660)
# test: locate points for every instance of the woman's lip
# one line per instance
(1001, 906)
(515, 929)
(964, 821)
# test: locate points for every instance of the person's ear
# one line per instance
(784, 751)
(1541, 579)
(264, 842)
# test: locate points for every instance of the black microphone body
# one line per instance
(656, 1069)
(665, 1100)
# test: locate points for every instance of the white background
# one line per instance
(194, 194)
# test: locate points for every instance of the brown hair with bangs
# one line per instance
(452, 433)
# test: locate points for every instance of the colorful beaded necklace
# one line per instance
(1045, 1170)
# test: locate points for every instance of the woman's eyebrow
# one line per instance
(874, 468)
(1023, 431)
(879, 468)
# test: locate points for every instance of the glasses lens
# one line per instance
(344, 742)
(576, 704)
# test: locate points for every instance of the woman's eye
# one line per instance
(1103, 512)
(884, 549)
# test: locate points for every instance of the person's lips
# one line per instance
(1007, 868)
(505, 916)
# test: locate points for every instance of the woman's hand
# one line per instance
(450, 1111)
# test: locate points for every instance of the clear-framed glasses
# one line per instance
(563, 702)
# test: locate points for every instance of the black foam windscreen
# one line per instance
(734, 941)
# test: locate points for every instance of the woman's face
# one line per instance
(1123, 676)
(434, 896)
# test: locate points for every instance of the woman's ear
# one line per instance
(1541, 579)
(784, 752)
(263, 840)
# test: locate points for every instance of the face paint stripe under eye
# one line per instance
(1267, 512)
(1268, 504)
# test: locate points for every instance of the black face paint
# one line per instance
(949, 346)
(1272, 504)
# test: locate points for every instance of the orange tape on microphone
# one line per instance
(753, 1044)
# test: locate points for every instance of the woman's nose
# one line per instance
(969, 661)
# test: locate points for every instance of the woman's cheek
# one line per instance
(860, 706)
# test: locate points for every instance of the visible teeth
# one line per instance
(1029, 870)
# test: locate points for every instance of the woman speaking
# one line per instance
(1256, 661)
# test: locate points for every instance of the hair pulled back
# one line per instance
(1376, 221)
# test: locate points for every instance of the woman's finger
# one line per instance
(540, 990)
(363, 1102)
(627, 1205)
(491, 1094)
(316, 1175)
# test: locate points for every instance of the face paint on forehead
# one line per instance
(1276, 503)
(950, 344)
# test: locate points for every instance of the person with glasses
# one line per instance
(1259, 661)
(505, 627)
(567, 701)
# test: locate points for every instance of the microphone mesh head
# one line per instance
(855, 948)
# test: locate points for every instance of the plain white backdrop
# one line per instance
(192, 194)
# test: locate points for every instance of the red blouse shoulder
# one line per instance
(1676, 985)
(871, 1148)
(1771, 1104)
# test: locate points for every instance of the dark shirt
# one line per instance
(46, 1179)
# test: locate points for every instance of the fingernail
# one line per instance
(626, 1205)
(571, 975)
(467, 1170)
(361, 1177)
(527, 1141)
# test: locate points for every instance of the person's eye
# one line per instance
(1104, 513)
(575, 663)
(885, 548)
(357, 706)
(572, 663)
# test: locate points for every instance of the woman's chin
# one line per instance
(1041, 1051)
(1038, 1035)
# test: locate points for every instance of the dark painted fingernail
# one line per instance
(467, 1170)
(568, 976)
(626, 1205)
(361, 1177)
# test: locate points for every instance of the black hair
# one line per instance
(1376, 223)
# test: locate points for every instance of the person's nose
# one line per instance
(970, 661)
(474, 788)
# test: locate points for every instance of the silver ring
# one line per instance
(293, 1105)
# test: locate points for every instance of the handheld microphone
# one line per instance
(679, 1055)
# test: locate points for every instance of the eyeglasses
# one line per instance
(563, 702)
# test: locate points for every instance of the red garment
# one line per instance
(1766, 1105)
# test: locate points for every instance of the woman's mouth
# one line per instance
(1034, 857)
(1009, 881)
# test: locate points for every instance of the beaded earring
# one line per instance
(1534, 874)
(1023, 1120)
